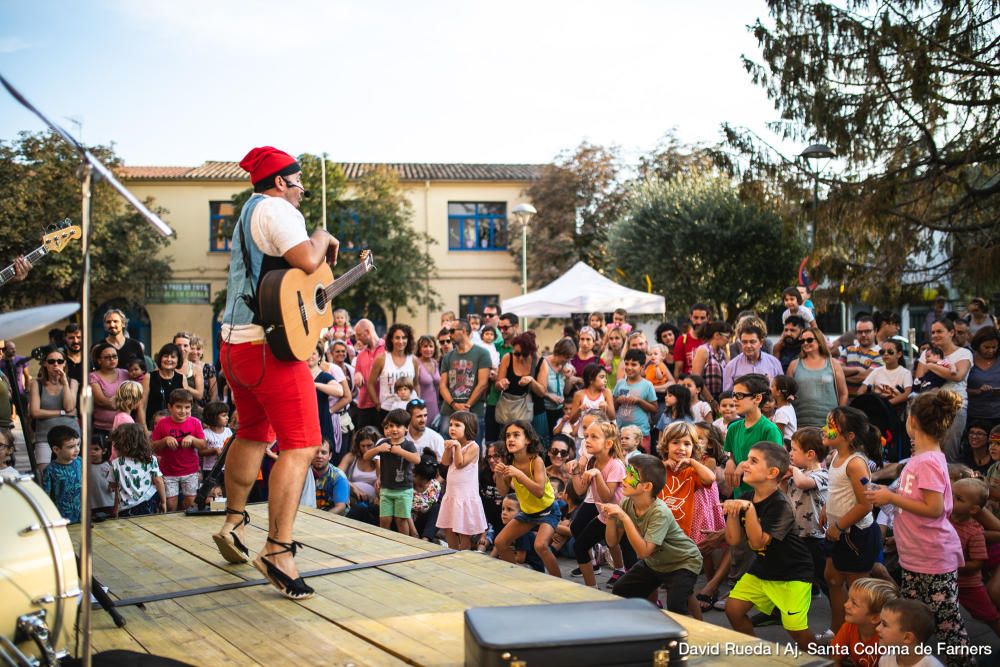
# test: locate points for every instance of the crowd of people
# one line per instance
(857, 467)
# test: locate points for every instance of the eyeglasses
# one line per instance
(558, 452)
(53, 362)
(519, 354)
(444, 341)
(490, 314)
(453, 331)
(885, 352)
(977, 434)
(739, 395)
(807, 340)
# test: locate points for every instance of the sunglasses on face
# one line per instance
(805, 341)
(444, 341)
(53, 362)
(558, 452)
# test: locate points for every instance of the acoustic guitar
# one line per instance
(54, 241)
(296, 305)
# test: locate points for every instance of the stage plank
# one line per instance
(402, 613)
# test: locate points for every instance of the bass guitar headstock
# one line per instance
(61, 233)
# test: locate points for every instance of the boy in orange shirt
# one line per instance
(862, 613)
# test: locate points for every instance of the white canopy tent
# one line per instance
(582, 290)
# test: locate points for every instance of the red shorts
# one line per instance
(276, 401)
(978, 603)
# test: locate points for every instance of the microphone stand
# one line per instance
(86, 174)
(200, 507)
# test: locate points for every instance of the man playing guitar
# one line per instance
(273, 397)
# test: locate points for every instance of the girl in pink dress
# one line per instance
(461, 514)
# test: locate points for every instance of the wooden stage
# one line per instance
(400, 613)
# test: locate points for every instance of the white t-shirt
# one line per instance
(276, 227)
(702, 411)
(430, 438)
(784, 418)
(960, 354)
(899, 376)
(216, 441)
(804, 313)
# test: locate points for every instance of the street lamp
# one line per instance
(817, 157)
(523, 214)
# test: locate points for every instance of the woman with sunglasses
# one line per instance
(822, 385)
(53, 402)
(561, 452)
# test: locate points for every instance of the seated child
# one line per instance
(969, 497)
(631, 439)
(138, 484)
(518, 550)
(862, 612)
(426, 494)
(781, 575)
(905, 625)
(667, 557)
(63, 477)
(333, 491)
(931, 380)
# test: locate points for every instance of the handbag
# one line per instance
(512, 407)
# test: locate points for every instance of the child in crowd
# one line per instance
(341, 329)
(7, 468)
(631, 439)
(749, 392)
(781, 574)
(138, 484)
(930, 552)
(403, 392)
(522, 470)
(333, 491)
(426, 494)
(62, 478)
(396, 457)
(727, 412)
(216, 420)
(635, 398)
(808, 488)
(127, 399)
(594, 396)
(136, 370)
(793, 299)
(565, 425)
(969, 498)
(906, 625)
(930, 380)
(656, 370)
(488, 335)
(461, 515)
(667, 557)
(614, 353)
(993, 474)
(178, 440)
(854, 539)
(515, 552)
(783, 389)
(677, 407)
(600, 477)
(700, 410)
(685, 474)
(99, 477)
(893, 381)
(562, 541)
(862, 613)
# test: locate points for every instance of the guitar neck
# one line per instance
(345, 281)
(8, 274)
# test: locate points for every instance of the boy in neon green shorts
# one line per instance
(781, 575)
(396, 457)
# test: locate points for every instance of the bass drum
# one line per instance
(39, 582)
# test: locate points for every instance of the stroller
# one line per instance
(883, 415)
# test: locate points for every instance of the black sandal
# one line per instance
(293, 589)
(229, 543)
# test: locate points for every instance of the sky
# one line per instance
(179, 82)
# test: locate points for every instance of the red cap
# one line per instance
(268, 161)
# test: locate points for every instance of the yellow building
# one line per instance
(464, 207)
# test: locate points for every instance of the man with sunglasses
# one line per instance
(465, 377)
(275, 400)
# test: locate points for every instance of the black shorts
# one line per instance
(857, 549)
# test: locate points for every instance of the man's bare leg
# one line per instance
(284, 491)
(242, 465)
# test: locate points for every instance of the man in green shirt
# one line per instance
(749, 392)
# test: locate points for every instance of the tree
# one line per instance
(696, 240)
(906, 93)
(375, 214)
(38, 175)
(577, 197)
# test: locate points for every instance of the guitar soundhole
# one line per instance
(320, 299)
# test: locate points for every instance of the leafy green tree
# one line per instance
(906, 93)
(38, 175)
(577, 198)
(695, 240)
(374, 213)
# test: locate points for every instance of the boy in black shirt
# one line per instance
(781, 575)
(396, 457)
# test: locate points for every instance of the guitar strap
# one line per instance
(249, 299)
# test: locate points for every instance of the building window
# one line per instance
(220, 218)
(474, 303)
(477, 226)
